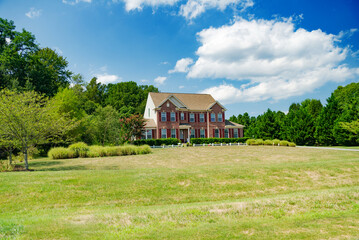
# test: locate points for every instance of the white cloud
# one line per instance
(189, 9)
(160, 80)
(276, 59)
(182, 65)
(194, 8)
(73, 2)
(139, 4)
(105, 78)
(33, 13)
(181, 87)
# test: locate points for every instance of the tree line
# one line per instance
(45, 104)
(309, 122)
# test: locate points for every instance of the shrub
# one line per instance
(96, 151)
(259, 141)
(80, 149)
(251, 142)
(111, 151)
(5, 166)
(157, 142)
(283, 143)
(144, 149)
(217, 140)
(59, 153)
(268, 142)
(127, 150)
(276, 142)
(292, 144)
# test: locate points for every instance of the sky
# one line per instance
(251, 55)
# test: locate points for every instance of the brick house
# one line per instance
(185, 116)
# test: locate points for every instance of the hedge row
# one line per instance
(82, 150)
(218, 140)
(157, 142)
(275, 142)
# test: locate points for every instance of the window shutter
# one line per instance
(177, 116)
(168, 116)
(159, 116)
(185, 114)
(214, 133)
(177, 135)
(205, 117)
(205, 133)
(153, 134)
(168, 133)
(223, 117)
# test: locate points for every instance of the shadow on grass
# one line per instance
(54, 166)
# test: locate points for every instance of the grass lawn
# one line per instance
(238, 192)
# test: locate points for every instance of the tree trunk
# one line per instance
(10, 156)
(25, 158)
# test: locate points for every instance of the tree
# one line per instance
(30, 119)
(351, 126)
(324, 133)
(131, 127)
(104, 126)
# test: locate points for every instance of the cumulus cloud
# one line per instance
(73, 2)
(33, 13)
(189, 9)
(105, 78)
(272, 57)
(182, 65)
(160, 80)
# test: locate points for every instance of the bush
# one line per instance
(157, 142)
(268, 142)
(5, 166)
(80, 149)
(276, 142)
(259, 142)
(59, 153)
(283, 143)
(251, 142)
(144, 149)
(217, 140)
(292, 144)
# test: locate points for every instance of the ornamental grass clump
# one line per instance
(80, 149)
(268, 142)
(144, 149)
(59, 153)
(292, 144)
(251, 142)
(283, 143)
(259, 142)
(276, 142)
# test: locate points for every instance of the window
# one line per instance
(201, 117)
(213, 117)
(149, 134)
(226, 133)
(163, 117)
(216, 133)
(181, 134)
(182, 116)
(193, 133)
(163, 133)
(202, 133)
(173, 133)
(143, 134)
(220, 119)
(173, 116)
(191, 117)
(235, 132)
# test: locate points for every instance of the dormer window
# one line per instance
(182, 116)
(213, 117)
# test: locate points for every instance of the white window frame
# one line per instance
(165, 133)
(191, 117)
(173, 133)
(182, 116)
(226, 133)
(201, 117)
(163, 117)
(216, 133)
(220, 117)
(213, 117)
(202, 133)
(149, 134)
(173, 116)
(193, 133)
(235, 133)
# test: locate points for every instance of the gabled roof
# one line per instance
(190, 100)
(229, 124)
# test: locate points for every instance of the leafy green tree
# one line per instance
(95, 91)
(104, 126)
(351, 126)
(30, 119)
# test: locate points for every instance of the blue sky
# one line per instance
(249, 54)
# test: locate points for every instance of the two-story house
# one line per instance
(185, 116)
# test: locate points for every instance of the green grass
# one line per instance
(238, 192)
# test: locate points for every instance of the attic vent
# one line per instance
(168, 104)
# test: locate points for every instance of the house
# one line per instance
(185, 116)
